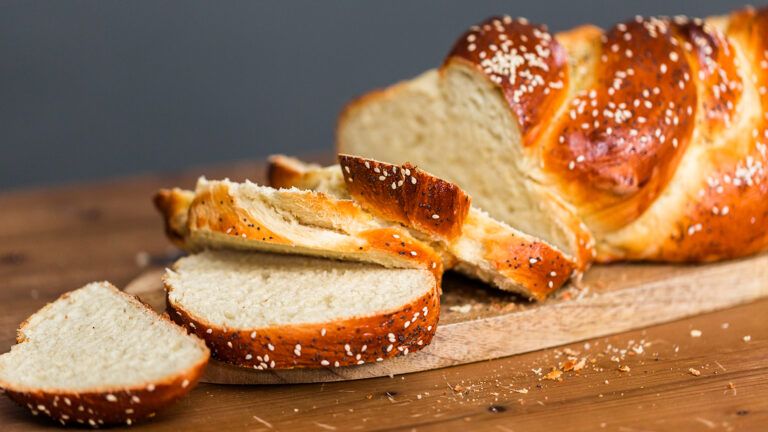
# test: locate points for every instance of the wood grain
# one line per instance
(609, 300)
(56, 239)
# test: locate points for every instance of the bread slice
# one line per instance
(97, 356)
(481, 246)
(224, 214)
(272, 311)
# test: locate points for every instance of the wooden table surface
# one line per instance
(658, 379)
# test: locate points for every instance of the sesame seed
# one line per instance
(413, 180)
(270, 347)
(209, 331)
(135, 399)
(248, 356)
(151, 388)
(111, 398)
(324, 362)
(185, 383)
(322, 331)
(407, 323)
(414, 253)
(435, 216)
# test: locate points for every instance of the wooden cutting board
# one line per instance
(478, 322)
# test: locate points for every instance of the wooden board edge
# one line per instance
(712, 288)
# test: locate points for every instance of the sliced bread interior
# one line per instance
(98, 356)
(272, 311)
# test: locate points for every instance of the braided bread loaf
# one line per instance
(653, 133)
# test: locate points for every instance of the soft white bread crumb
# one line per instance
(253, 290)
(99, 356)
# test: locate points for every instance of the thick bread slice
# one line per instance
(271, 311)
(97, 356)
(223, 214)
(482, 247)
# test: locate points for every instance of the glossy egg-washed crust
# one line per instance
(412, 197)
(524, 60)
(108, 406)
(727, 215)
(345, 342)
(533, 265)
(212, 209)
(407, 195)
(656, 86)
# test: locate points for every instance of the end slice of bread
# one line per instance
(97, 356)
(272, 311)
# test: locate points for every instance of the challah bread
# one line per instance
(272, 311)
(482, 247)
(652, 133)
(97, 356)
(224, 214)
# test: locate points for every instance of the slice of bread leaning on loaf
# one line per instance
(480, 246)
(97, 356)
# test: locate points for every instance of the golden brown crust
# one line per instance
(107, 406)
(621, 139)
(407, 195)
(287, 172)
(725, 209)
(173, 204)
(524, 60)
(347, 342)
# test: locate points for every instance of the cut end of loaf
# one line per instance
(97, 356)
(275, 312)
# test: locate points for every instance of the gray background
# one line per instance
(93, 89)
